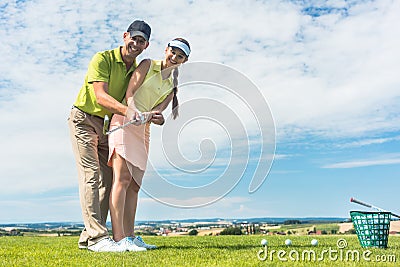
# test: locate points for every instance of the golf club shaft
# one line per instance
(366, 204)
(121, 126)
(371, 206)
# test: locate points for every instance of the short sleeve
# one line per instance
(99, 69)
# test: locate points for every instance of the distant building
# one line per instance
(14, 232)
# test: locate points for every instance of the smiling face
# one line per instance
(174, 56)
(133, 45)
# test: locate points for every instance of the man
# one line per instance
(104, 88)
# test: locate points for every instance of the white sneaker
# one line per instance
(106, 245)
(81, 246)
(129, 245)
(140, 243)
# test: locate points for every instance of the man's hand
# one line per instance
(134, 115)
(157, 117)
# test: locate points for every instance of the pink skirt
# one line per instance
(131, 142)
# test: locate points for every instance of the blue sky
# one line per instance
(328, 70)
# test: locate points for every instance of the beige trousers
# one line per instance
(90, 147)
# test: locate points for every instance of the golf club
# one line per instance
(106, 124)
(371, 206)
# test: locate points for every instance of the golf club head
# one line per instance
(106, 124)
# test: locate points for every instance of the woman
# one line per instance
(152, 87)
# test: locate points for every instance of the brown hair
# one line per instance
(175, 73)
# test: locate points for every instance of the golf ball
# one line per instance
(264, 242)
(314, 242)
(288, 242)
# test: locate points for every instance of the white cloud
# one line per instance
(282, 156)
(362, 163)
(336, 81)
(370, 141)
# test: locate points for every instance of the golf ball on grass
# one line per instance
(288, 242)
(314, 242)
(264, 242)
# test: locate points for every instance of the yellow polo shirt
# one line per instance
(154, 89)
(106, 66)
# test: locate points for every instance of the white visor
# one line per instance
(181, 45)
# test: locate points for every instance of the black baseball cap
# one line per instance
(141, 28)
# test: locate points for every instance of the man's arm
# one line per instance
(107, 101)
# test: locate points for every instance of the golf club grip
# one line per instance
(361, 203)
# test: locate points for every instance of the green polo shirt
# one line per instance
(154, 89)
(106, 66)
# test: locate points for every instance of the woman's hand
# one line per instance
(146, 117)
(157, 117)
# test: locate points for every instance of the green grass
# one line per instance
(186, 251)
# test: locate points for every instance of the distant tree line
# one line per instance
(193, 232)
(287, 222)
(231, 231)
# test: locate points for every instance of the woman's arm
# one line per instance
(157, 117)
(135, 82)
(164, 104)
(137, 77)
